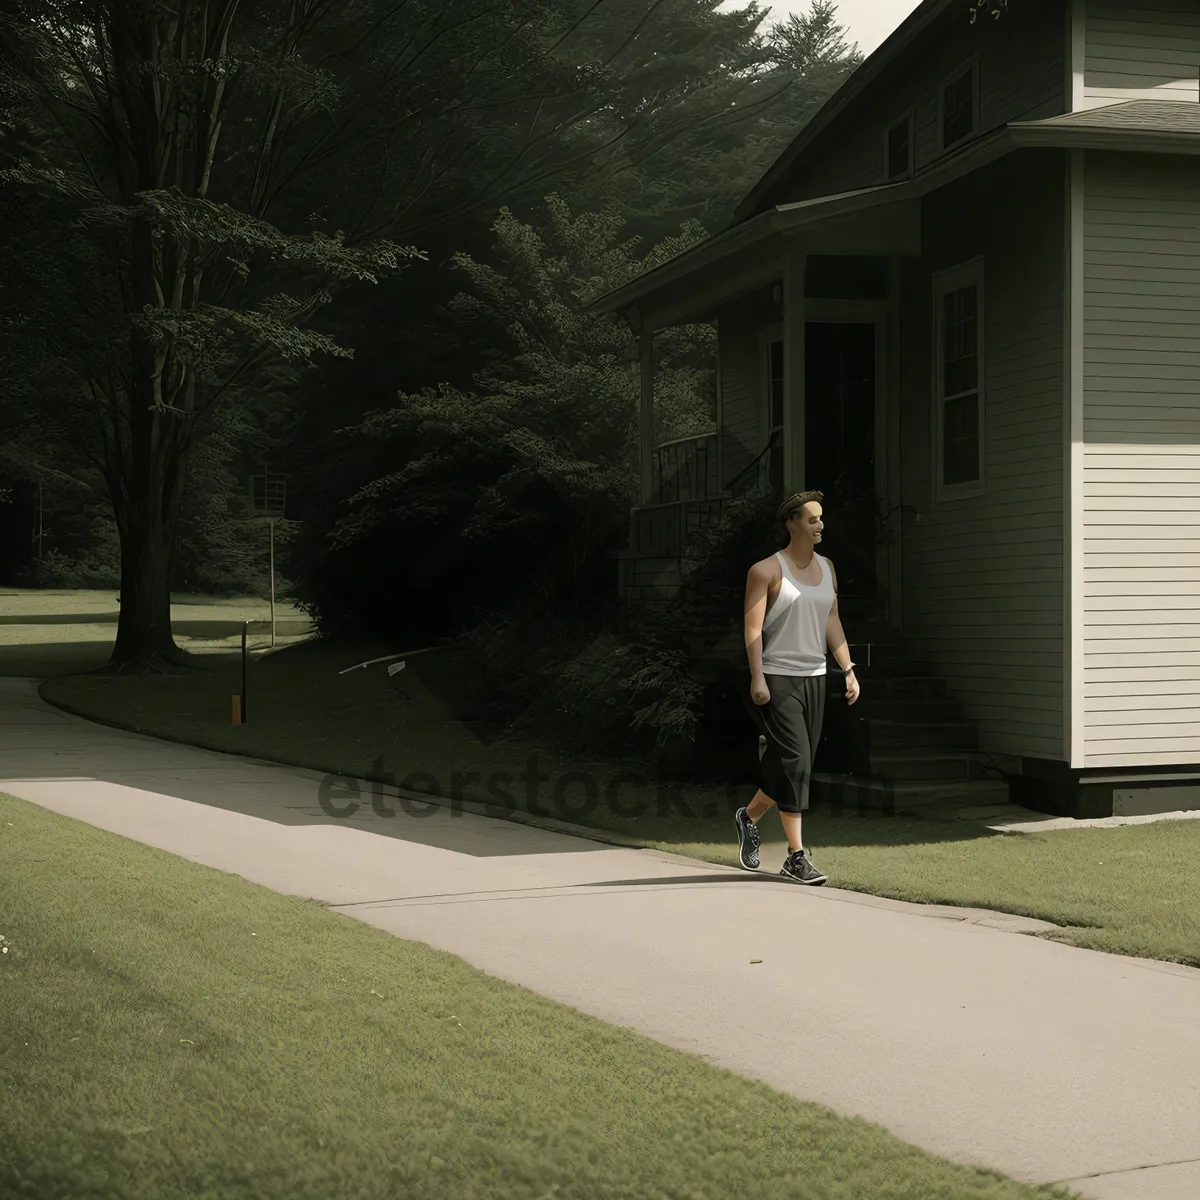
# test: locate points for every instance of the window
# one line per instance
(958, 391)
(958, 108)
(899, 149)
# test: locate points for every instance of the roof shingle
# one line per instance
(1151, 116)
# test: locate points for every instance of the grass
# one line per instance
(174, 1031)
(50, 632)
(1130, 890)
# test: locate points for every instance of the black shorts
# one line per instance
(791, 723)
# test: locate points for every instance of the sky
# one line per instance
(868, 22)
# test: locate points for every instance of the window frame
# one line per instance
(970, 65)
(961, 275)
(909, 116)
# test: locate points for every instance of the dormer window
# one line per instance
(899, 148)
(959, 107)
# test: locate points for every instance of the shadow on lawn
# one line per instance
(67, 618)
(52, 660)
(297, 686)
(215, 627)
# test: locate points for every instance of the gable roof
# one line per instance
(868, 71)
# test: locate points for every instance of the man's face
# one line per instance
(807, 525)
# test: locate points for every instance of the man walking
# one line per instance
(791, 616)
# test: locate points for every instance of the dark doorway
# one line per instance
(839, 448)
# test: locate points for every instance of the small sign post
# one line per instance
(268, 496)
(271, 521)
(242, 706)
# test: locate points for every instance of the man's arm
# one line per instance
(758, 584)
(835, 634)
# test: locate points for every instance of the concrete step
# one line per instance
(921, 796)
(886, 735)
(921, 765)
(835, 793)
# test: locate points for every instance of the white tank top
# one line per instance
(794, 629)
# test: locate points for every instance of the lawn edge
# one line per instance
(554, 825)
(476, 808)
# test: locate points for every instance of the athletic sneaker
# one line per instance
(747, 840)
(799, 867)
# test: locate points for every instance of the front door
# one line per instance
(839, 449)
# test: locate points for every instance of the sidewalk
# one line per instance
(948, 1026)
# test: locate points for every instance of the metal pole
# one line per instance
(40, 513)
(245, 627)
(272, 522)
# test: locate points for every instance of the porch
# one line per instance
(688, 495)
(801, 296)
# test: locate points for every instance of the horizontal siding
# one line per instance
(743, 396)
(983, 577)
(1141, 465)
(1022, 75)
(741, 401)
(1141, 51)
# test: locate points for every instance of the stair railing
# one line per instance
(756, 472)
(683, 467)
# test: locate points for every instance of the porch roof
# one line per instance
(732, 245)
(1143, 126)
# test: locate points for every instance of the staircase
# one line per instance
(905, 747)
(687, 501)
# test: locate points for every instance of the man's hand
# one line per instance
(759, 692)
(851, 688)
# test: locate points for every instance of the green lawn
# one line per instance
(174, 1031)
(50, 632)
(1131, 890)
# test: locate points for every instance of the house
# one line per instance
(965, 304)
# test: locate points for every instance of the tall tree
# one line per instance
(230, 171)
(529, 471)
(185, 294)
(704, 99)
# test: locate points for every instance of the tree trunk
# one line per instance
(147, 510)
(152, 473)
(144, 637)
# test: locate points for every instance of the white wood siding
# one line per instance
(1141, 461)
(1141, 51)
(983, 577)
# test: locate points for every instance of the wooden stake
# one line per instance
(242, 706)
(235, 710)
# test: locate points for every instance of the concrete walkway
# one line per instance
(948, 1026)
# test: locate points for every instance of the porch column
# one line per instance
(794, 325)
(646, 414)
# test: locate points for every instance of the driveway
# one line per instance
(953, 1028)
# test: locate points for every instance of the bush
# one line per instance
(619, 680)
(91, 568)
